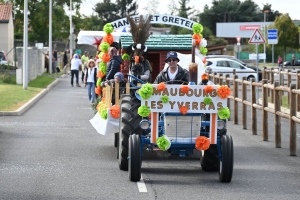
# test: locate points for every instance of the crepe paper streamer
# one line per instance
(202, 143)
(161, 86)
(164, 99)
(102, 67)
(108, 28)
(224, 91)
(104, 46)
(105, 57)
(109, 38)
(207, 100)
(103, 114)
(144, 111)
(163, 142)
(183, 110)
(146, 91)
(185, 88)
(115, 111)
(197, 28)
(224, 113)
(208, 88)
(125, 56)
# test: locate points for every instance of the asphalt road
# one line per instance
(53, 152)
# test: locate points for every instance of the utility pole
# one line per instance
(50, 37)
(71, 31)
(265, 11)
(25, 46)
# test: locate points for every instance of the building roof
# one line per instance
(162, 42)
(5, 12)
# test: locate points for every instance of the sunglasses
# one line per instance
(172, 60)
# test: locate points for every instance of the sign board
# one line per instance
(257, 38)
(272, 36)
(253, 56)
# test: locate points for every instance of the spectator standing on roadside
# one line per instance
(279, 61)
(293, 60)
(54, 60)
(113, 66)
(90, 80)
(65, 61)
(84, 60)
(75, 64)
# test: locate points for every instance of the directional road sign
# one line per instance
(257, 38)
(272, 36)
(253, 56)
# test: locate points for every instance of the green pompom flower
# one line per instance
(102, 67)
(207, 100)
(224, 113)
(144, 111)
(197, 28)
(163, 142)
(103, 113)
(104, 46)
(146, 91)
(125, 56)
(164, 99)
(203, 50)
(100, 54)
(98, 82)
(108, 28)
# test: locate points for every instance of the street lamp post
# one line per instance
(71, 31)
(265, 11)
(25, 46)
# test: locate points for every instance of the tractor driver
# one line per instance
(174, 73)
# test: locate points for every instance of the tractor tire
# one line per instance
(226, 165)
(134, 163)
(116, 140)
(209, 161)
(129, 124)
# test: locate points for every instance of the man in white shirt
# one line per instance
(75, 65)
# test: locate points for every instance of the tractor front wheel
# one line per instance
(134, 163)
(209, 160)
(226, 164)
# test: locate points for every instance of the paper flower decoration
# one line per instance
(224, 91)
(197, 38)
(207, 100)
(98, 90)
(197, 28)
(202, 143)
(108, 38)
(103, 114)
(208, 88)
(164, 99)
(203, 50)
(204, 76)
(108, 28)
(98, 82)
(184, 88)
(102, 67)
(161, 86)
(163, 142)
(105, 57)
(104, 46)
(224, 113)
(183, 110)
(115, 111)
(144, 111)
(146, 91)
(125, 56)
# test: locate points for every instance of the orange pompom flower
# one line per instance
(183, 110)
(224, 91)
(105, 57)
(161, 86)
(115, 111)
(197, 38)
(204, 60)
(204, 76)
(108, 38)
(202, 143)
(208, 88)
(136, 59)
(98, 90)
(184, 88)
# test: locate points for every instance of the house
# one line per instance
(7, 30)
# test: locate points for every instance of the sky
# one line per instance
(286, 6)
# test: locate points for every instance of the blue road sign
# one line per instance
(272, 36)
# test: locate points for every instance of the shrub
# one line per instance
(9, 79)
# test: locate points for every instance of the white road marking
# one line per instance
(141, 185)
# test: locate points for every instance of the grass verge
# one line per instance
(284, 102)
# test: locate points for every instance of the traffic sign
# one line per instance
(253, 56)
(257, 38)
(272, 36)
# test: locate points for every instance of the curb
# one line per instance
(27, 105)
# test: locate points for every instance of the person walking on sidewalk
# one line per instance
(75, 64)
(84, 60)
(65, 60)
(90, 79)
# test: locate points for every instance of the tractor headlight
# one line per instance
(145, 124)
(221, 124)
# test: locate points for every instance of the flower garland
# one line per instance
(224, 113)
(146, 91)
(201, 42)
(223, 91)
(163, 142)
(202, 143)
(144, 111)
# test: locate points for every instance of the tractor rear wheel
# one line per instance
(209, 160)
(134, 163)
(129, 124)
(226, 164)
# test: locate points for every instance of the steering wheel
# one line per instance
(181, 81)
(137, 79)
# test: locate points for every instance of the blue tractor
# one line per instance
(137, 132)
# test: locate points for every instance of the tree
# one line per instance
(152, 6)
(271, 14)
(287, 32)
(126, 7)
(184, 12)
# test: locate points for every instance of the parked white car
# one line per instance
(227, 65)
(3, 59)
